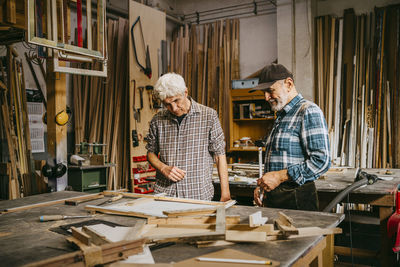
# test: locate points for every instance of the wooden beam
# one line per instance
(81, 236)
(11, 11)
(56, 89)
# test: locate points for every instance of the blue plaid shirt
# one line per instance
(299, 142)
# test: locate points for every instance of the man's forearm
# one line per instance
(223, 176)
(155, 162)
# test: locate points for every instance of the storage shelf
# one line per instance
(242, 126)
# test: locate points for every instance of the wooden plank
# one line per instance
(13, 188)
(230, 219)
(221, 222)
(315, 231)
(177, 213)
(45, 204)
(184, 200)
(81, 236)
(153, 233)
(266, 228)
(76, 202)
(245, 236)
(95, 237)
(116, 212)
(356, 252)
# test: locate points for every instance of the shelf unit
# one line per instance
(243, 123)
(143, 175)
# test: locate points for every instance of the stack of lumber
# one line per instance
(101, 105)
(203, 221)
(356, 81)
(15, 125)
(207, 56)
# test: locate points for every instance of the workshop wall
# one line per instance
(324, 7)
(258, 34)
(295, 39)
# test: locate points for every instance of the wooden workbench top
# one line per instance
(24, 239)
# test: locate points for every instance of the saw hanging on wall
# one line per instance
(147, 70)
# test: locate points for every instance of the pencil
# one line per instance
(235, 261)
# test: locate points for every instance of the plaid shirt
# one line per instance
(299, 142)
(189, 146)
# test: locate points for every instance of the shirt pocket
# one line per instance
(288, 138)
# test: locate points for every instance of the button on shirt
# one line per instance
(299, 142)
(189, 146)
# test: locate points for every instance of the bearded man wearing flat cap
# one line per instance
(297, 148)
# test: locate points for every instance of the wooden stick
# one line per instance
(48, 203)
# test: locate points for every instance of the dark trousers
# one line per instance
(290, 195)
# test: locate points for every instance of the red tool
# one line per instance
(393, 224)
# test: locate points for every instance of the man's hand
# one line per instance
(225, 197)
(270, 180)
(173, 173)
(257, 199)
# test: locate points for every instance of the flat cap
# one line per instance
(270, 74)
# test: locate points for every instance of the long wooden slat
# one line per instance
(48, 203)
(174, 199)
(13, 188)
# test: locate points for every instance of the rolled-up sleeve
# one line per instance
(217, 138)
(152, 138)
(315, 139)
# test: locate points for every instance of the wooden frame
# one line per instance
(71, 70)
(187, 207)
(53, 42)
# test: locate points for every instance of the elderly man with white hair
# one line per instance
(184, 140)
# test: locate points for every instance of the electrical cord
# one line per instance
(343, 193)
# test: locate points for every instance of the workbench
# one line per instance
(24, 239)
(380, 195)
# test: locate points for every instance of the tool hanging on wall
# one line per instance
(147, 70)
(149, 89)
(141, 89)
(136, 116)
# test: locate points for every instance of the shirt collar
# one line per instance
(291, 104)
(194, 108)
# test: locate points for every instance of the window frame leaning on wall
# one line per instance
(71, 52)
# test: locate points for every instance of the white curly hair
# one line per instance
(168, 85)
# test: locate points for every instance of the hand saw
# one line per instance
(147, 70)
